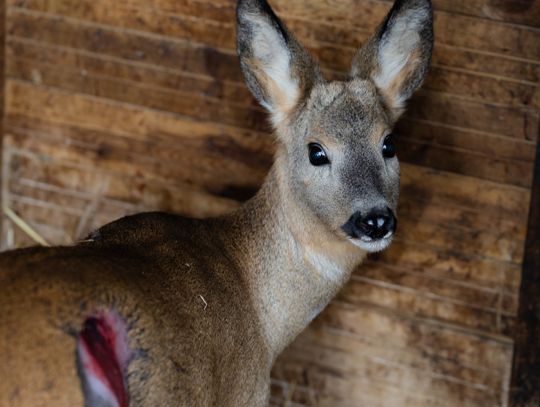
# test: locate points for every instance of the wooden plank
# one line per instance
(487, 118)
(365, 14)
(517, 41)
(476, 61)
(459, 240)
(92, 64)
(512, 172)
(186, 104)
(393, 296)
(484, 88)
(336, 57)
(28, 58)
(122, 119)
(525, 390)
(439, 263)
(446, 109)
(241, 157)
(145, 186)
(346, 386)
(332, 55)
(458, 80)
(186, 160)
(466, 162)
(348, 339)
(492, 301)
(392, 331)
(129, 192)
(462, 138)
(464, 191)
(143, 18)
(524, 12)
(135, 46)
(452, 29)
(418, 209)
(84, 111)
(517, 172)
(219, 11)
(179, 55)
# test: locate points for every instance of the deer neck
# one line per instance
(293, 264)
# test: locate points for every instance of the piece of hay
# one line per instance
(25, 227)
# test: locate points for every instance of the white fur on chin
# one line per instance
(374, 246)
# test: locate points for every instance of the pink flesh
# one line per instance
(104, 355)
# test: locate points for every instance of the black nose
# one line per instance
(377, 224)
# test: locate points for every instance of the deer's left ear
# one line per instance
(278, 70)
(397, 57)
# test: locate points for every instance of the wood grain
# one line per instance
(114, 108)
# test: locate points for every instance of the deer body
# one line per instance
(182, 308)
(194, 312)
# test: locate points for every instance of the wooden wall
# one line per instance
(115, 107)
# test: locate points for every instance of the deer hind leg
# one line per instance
(102, 358)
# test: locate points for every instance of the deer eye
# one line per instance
(317, 155)
(389, 147)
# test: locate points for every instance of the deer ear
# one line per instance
(397, 57)
(278, 70)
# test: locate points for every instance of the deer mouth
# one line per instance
(371, 245)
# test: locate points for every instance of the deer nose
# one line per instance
(377, 224)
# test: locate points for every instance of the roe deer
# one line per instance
(161, 310)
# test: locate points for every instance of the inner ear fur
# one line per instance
(396, 58)
(278, 70)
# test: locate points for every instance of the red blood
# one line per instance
(100, 337)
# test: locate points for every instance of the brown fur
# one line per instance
(209, 304)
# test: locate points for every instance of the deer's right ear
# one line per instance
(278, 70)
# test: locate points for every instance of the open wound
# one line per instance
(102, 359)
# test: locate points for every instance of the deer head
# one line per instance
(336, 149)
